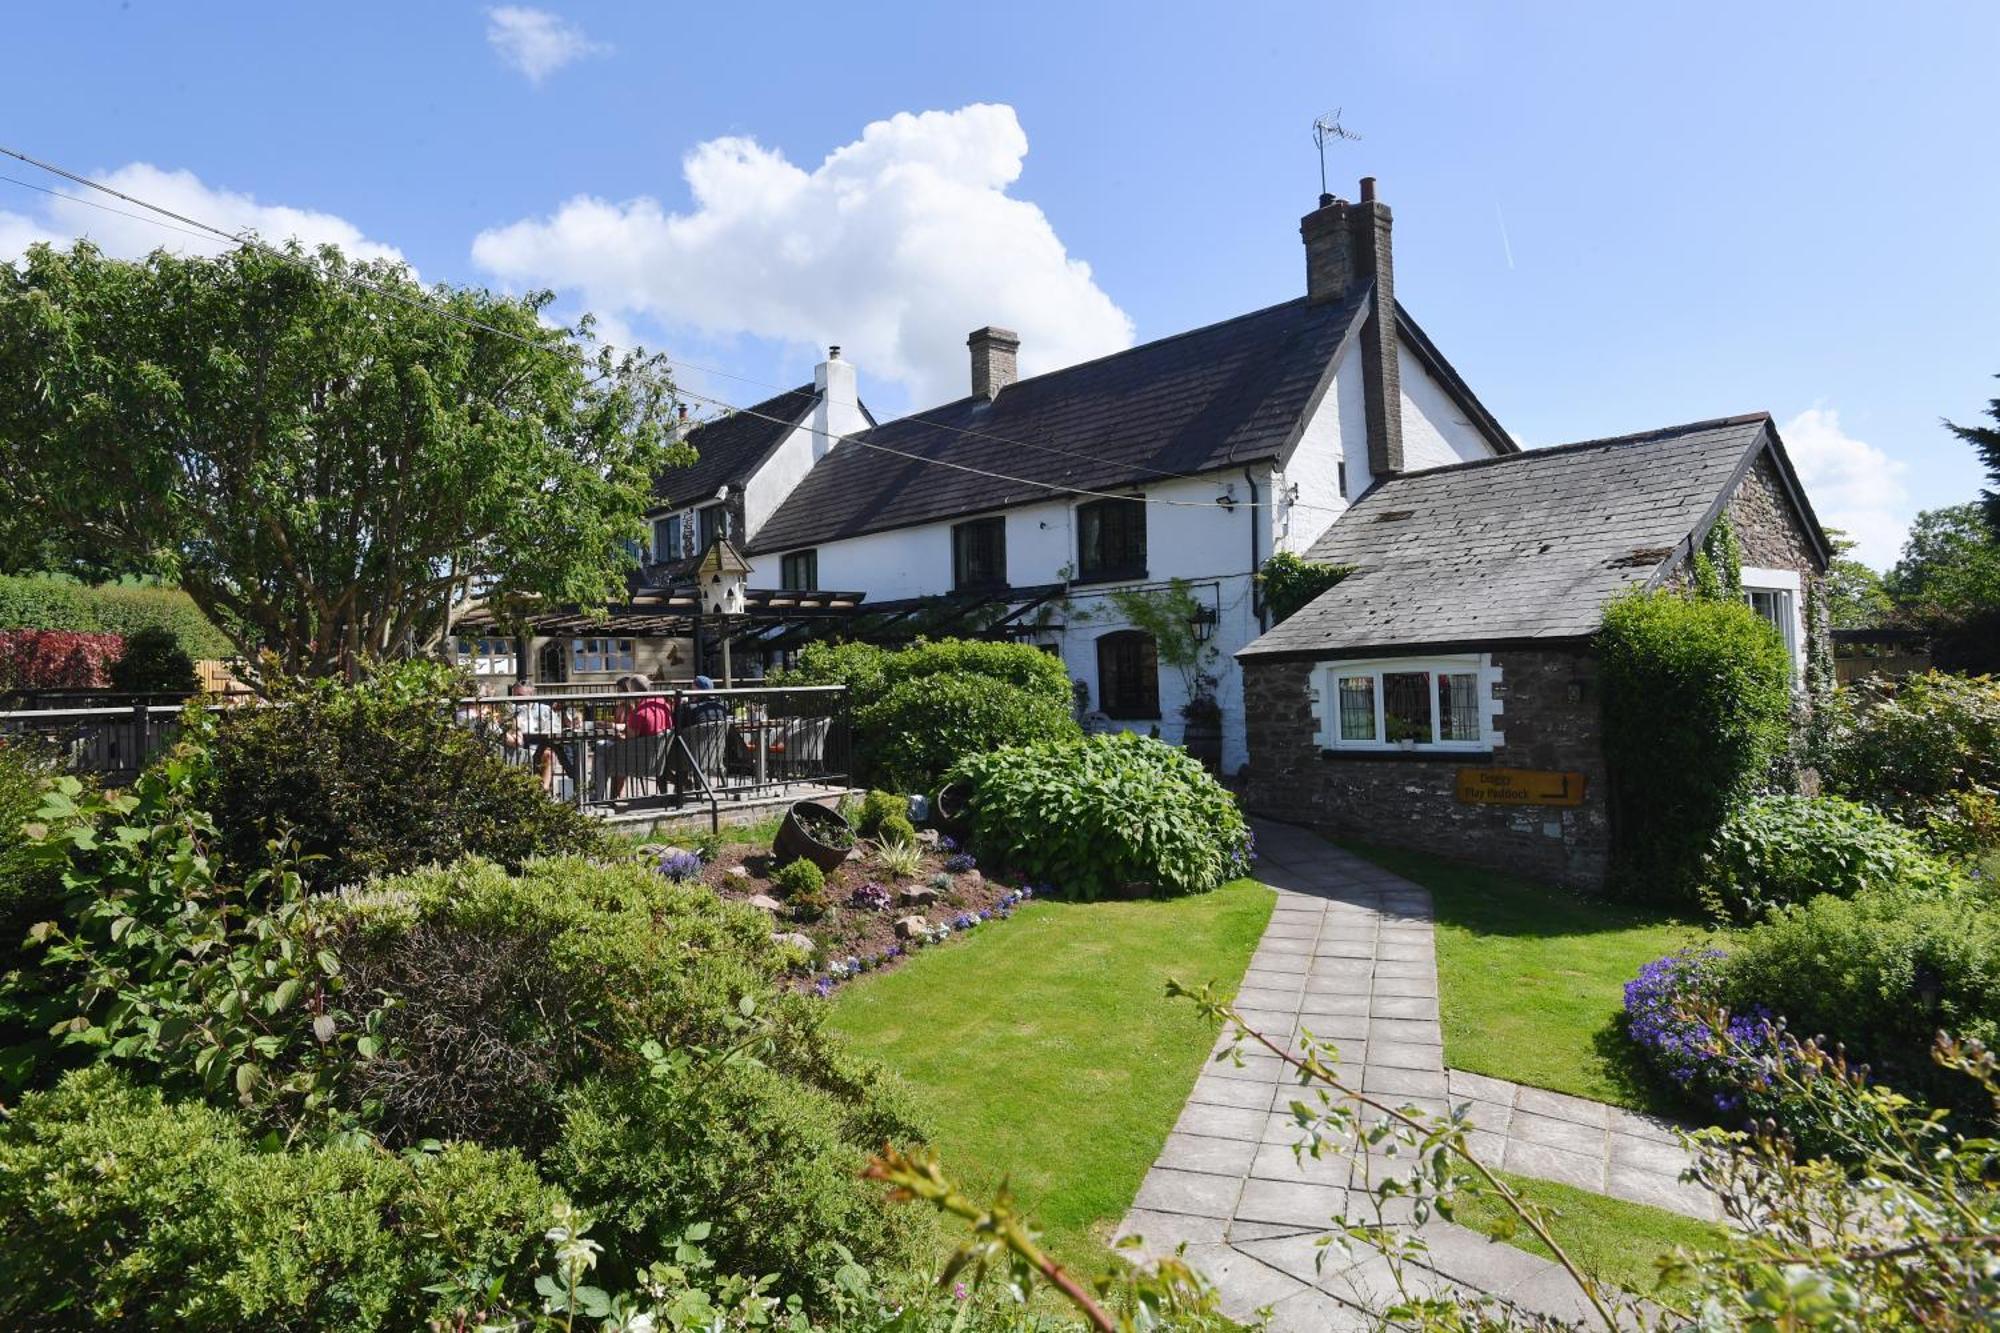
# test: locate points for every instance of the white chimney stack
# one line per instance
(837, 406)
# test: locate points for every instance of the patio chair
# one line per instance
(799, 750)
(640, 760)
(698, 757)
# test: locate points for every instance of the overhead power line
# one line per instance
(245, 237)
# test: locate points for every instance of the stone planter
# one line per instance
(814, 832)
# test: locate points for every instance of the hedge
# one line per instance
(41, 602)
(1696, 708)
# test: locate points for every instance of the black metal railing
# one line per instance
(110, 743)
(607, 752)
(669, 748)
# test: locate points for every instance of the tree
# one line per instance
(1950, 570)
(1855, 597)
(1985, 440)
(328, 470)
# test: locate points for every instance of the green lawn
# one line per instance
(1612, 1240)
(1044, 1048)
(1532, 978)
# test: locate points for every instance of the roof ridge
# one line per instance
(1093, 361)
(810, 392)
(1607, 441)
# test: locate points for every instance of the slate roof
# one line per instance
(1221, 396)
(730, 448)
(1526, 546)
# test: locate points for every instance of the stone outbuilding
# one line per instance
(1444, 695)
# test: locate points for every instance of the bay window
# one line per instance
(1405, 704)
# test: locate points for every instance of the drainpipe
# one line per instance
(1256, 597)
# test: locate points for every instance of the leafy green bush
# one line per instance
(521, 1002)
(915, 732)
(119, 1209)
(918, 710)
(896, 829)
(30, 883)
(1782, 849)
(1882, 972)
(877, 806)
(1290, 583)
(371, 779)
(42, 602)
(772, 1163)
(1926, 749)
(1098, 815)
(1697, 704)
(154, 663)
(803, 885)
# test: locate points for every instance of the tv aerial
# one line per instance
(1328, 129)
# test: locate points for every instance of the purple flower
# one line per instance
(946, 843)
(1664, 1014)
(823, 987)
(959, 864)
(680, 863)
(870, 897)
(965, 921)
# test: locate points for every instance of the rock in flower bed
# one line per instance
(862, 919)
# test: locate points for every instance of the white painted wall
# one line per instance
(770, 484)
(1313, 466)
(1436, 432)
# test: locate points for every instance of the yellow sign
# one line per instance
(1518, 786)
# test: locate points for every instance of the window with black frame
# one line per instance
(711, 523)
(979, 554)
(799, 571)
(1111, 540)
(1128, 675)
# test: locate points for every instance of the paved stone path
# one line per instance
(1348, 957)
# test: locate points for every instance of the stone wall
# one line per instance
(1549, 721)
(1769, 531)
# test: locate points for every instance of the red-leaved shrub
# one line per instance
(57, 659)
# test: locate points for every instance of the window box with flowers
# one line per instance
(1432, 705)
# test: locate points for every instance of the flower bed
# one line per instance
(863, 919)
(1667, 1014)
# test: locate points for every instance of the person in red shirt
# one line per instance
(650, 716)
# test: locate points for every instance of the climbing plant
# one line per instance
(1290, 583)
(1718, 565)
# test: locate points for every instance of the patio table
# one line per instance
(572, 750)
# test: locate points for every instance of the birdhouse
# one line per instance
(723, 576)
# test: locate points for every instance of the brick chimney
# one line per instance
(837, 404)
(993, 367)
(1347, 248)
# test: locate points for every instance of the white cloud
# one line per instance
(896, 246)
(127, 235)
(536, 42)
(1852, 485)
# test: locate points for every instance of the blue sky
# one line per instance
(1609, 218)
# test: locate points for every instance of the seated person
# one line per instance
(525, 721)
(702, 710)
(650, 716)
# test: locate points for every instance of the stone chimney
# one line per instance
(993, 367)
(1347, 248)
(837, 403)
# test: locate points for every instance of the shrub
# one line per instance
(371, 779)
(154, 663)
(1776, 850)
(1099, 814)
(1290, 583)
(118, 1209)
(898, 860)
(1927, 750)
(37, 659)
(803, 885)
(896, 829)
(41, 602)
(919, 709)
(919, 728)
(773, 1165)
(1882, 972)
(877, 806)
(1696, 707)
(1668, 1011)
(30, 883)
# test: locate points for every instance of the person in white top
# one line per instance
(528, 720)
